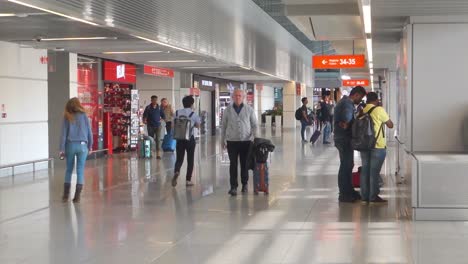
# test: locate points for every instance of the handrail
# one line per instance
(98, 151)
(399, 141)
(33, 162)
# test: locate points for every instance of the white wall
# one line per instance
(440, 104)
(148, 85)
(24, 133)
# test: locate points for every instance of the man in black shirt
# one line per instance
(305, 119)
(325, 109)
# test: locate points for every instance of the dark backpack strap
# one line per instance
(177, 113)
(371, 110)
(191, 114)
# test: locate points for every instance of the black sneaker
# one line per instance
(233, 192)
(356, 195)
(244, 189)
(346, 199)
(174, 179)
(378, 200)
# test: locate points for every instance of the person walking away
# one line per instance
(344, 116)
(76, 141)
(373, 160)
(188, 146)
(326, 118)
(239, 126)
(305, 122)
(152, 117)
(168, 113)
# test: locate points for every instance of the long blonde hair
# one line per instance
(73, 107)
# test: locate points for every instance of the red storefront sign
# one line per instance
(195, 91)
(157, 71)
(355, 83)
(338, 61)
(119, 72)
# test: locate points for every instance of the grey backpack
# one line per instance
(363, 134)
(183, 129)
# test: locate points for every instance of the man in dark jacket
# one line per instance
(152, 117)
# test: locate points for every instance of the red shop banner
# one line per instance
(298, 89)
(157, 71)
(119, 72)
(194, 91)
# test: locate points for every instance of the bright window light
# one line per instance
(366, 9)
(53, 12)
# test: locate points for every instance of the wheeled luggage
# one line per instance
(356, 178)
(261, 178)
(144, 147)
(169, 143)
(315, 136)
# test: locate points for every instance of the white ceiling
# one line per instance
(23, 30)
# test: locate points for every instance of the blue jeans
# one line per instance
(346, 166)
(304, 125)
(326, 131)
(372, 162)
(79, 150)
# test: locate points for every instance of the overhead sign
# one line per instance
(338, 61)
(119, 72)
(207, 83)
(157, 71)
(356, 82)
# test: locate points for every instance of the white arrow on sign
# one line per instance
(324, 62)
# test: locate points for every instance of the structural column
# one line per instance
(289, 105)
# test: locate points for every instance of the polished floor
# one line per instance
(131, 214)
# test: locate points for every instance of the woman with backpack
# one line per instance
(185, 121)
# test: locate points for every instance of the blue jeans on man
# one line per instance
(80, 151)
(372, 162)
(347, 192)
(326, 132)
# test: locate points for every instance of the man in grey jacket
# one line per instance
(239, 126)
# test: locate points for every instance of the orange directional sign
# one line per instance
(355, 82)
(338, 61)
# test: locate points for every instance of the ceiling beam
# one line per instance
(351, 9)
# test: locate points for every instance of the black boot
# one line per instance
(77, 198)
(66, 192)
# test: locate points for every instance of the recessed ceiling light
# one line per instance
(371, 71)
(162, 43)
(53, 12)
(7, 15)
(167, 61)
(76, 38)
(132, 52)
(200, 67)
(345, 77)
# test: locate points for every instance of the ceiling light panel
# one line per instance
(77, 38)
(173, 61)
(162, 43)
(133, 52)
(53, 12)
(7, 15)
